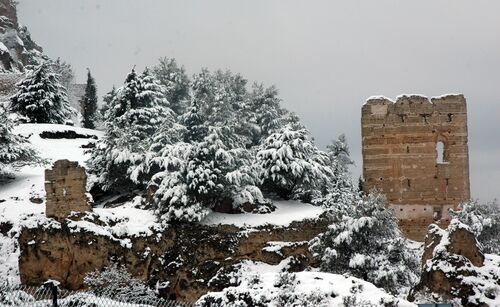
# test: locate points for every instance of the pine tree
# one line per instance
(340, 189)
(64, 71)
(291, 165)
(339, 151)
(15, 151)
(364, 241)
(89, 103)
(263, 113)
(41, 98)
(196, 129)
(209, 174)
(176, 83)
(106, 102)
(135, 114)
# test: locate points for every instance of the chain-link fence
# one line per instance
(50, 295)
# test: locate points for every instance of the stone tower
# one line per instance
(415, 152)
(65, 185)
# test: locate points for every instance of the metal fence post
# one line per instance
(51, 285)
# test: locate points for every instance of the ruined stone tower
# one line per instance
(65, 185)
(415, 152)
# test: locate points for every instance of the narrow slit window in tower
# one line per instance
(440, 152)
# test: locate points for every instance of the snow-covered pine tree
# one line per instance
(261, 114)
(210, 174)
(41, 98)
(340, 190)
(138, 109)
(64, 71)
(172, 199)
(176, 83)
(89, 103)
(291, 165)
(219, 97)
(196, 128)
(364, 241)
(15, 150)
(220, 173)
(106, 102)
(339, 150)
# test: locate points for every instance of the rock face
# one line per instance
(65, 185)
(17, 49)
(191, 258)
(451, 266)
(461, 241)
(415, 152)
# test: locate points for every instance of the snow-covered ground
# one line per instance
(261, 282)
(17, 209)
(15, 195)
(286, 212)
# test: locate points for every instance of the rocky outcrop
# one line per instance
(17, 49)
(191, 259)
(65, 184)
(452, 266)
(459, 241)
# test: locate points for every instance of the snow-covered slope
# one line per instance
(22, 200)
(28, 184)
(264, 284)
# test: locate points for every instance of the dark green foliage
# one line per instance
(89, 103)
(41, 98)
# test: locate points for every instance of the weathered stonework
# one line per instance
(65, 185)
(400, 157)
(191, 259)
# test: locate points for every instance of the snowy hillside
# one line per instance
(25, 195)
(264, 284)
(22, 200)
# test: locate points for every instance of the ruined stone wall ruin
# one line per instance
(65, 185)
(402, 157)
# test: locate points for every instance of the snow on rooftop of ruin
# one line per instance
(402, 96)
(287, 211)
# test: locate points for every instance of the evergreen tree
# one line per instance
(261, 114)
(220, 97)
(15, 150)
(291, 164)
(89, 103)
(340, 189)
(135, 114)
(204, 175)
(196, 129)
(41, 98)
(364, 241)
(176, 83)
(106, 102)
(65, 72)
(339, 151)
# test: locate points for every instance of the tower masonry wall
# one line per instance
(65, 185)
(415, 152)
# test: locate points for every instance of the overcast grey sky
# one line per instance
(326, 57)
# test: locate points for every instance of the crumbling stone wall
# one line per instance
(400, 157)
(65, 185)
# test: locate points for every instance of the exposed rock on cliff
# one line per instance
(17, 49)
(453, 267)
(190, 258)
